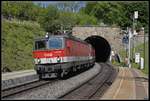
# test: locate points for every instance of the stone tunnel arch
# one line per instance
(102, 47)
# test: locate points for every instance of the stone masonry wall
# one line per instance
(111, 34)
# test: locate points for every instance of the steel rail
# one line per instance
(21, 88)
(96, 87)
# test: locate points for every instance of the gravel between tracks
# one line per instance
(58, 88)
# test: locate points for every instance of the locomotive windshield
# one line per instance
(40, 45)
(55, 43)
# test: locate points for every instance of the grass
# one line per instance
(144, 54)
(139, 49)
(17, 44)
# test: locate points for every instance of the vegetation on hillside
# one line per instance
(17, 44)
(143, 53)
(94, 13)
(119, 13)
(143, 50)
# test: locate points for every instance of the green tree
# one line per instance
(24, 10)
(143, 11)
(67, 20)
(118, 13)
(10, 8)
(17, 44)
(85, 19)
(48, 19)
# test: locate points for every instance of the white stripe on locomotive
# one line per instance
(63, 59)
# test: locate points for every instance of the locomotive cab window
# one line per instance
(40, 45)
(55, 43)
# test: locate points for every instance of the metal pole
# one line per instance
(135, 16)
(126, 50)
(132, 38)
(129, 32)
(144, 49)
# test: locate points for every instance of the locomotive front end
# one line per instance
(48, 55)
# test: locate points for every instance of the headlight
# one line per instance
(58, 59)
(38, 60)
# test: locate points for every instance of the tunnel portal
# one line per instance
(101, 46)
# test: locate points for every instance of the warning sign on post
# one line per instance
(137, 57)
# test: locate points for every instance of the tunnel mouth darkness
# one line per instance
(101, 46)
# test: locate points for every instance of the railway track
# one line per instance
(21, 88)
(92, 89)
(8, 92)
(95, 87)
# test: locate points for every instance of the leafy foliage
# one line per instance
(119, 13)
(23, 10)
(49, 19)
(53, 18)
(17, 44)
(86, 20)
(143, 53)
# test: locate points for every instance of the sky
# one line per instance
(46, 3)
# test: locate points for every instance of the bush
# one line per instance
(17, 44)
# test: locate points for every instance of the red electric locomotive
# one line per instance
(60, 54)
